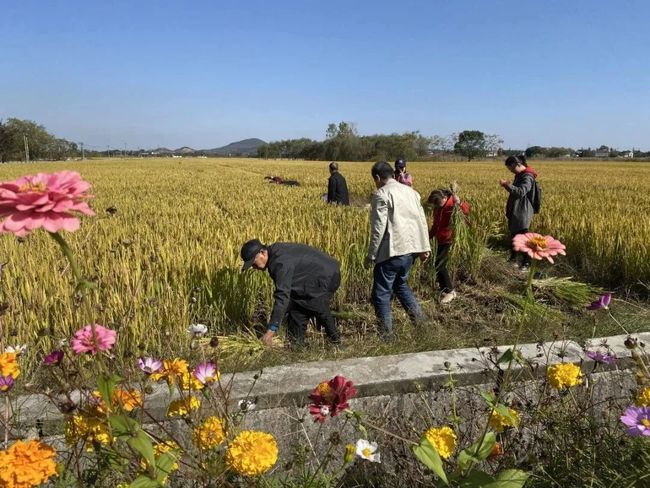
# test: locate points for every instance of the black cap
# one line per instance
(248, 252)
(400, 163)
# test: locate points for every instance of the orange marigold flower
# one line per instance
(9, 365)
(210, 434)
(171, 371)
(26, 464)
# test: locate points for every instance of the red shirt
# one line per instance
(441, 227)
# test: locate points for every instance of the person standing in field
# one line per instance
(306, 280)
(398, 236)
(445, 203)
(401, 174)
(337, 188)
(519, 208)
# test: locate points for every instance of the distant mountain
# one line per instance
(184, 150)
(247, 147)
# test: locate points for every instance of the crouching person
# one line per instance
(305, 280)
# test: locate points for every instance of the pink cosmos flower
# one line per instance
(93, 338)
(602, 357)
(52, 201)
(149, 365)
(538, 246)
(53, 359)
(637, 420)
(6, 383)
(602, 303)
(206, 373)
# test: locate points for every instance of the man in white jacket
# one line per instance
(399, 235)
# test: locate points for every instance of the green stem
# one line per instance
(529, 281)
(67, 252)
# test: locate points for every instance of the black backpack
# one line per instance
(535, 196)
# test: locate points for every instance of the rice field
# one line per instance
(167, 254)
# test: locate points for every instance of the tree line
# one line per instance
(19, 137)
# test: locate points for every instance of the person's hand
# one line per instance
(424, 256)
(368, 263)
(267, 338)
(456, 199)
(504, 183)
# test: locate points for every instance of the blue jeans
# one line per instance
(390, 277)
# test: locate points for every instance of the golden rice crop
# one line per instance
(170, 255)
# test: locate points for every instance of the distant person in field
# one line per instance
(337, 188)
(398, 236)
(444, 203)
(401, 174)
(519, 208)
(305, 280)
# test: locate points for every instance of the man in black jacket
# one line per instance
(305, 282)
(337, 188)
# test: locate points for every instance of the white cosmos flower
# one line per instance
(197, 330)
(17, 350)
(368, 450)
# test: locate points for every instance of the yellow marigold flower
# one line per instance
(643, 398)
(88, 428)
(127, 400)
(210, 434)
(171, 371)
(252, 453)
(27, 464)
(161, 448)
(183, 406)
(500, 422)
(9, 365)
(443, 439)
(187, 381)
(564, 375)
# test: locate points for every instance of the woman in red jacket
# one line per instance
(444, 202)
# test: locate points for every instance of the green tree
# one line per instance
(471, 144)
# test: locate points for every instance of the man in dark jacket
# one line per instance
(337, 188)
(305, 282)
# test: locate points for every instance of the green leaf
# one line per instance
(141, 443)
(165, 463)
(474, 454)
(489, 397)
(505, 411)
(475, 479)
(123, 426)
(143, 481)
(106, 386)
(509, 478)
(506, 357)
(428, 455)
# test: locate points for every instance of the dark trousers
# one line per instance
(302, 310)
(525, 258)
(391, 276)
(442, 275)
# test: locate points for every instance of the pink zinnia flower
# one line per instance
(52, 201)
(53, 359)
(6, 383)
(149, 365)
(637, 420)
(330, 398)
(538, 246)
(206, 373)
(93, 338)
(602, 303)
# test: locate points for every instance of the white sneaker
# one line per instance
(448, 297)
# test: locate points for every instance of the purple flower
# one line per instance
(53, 359)
(602, 357)
(6, 383)
(637, 420)
(206, 373)
(149, 365)
(602, 303)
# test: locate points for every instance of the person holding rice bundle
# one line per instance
(445, 203)
(524, 200)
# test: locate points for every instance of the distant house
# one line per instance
(627, 154)
(602, 152)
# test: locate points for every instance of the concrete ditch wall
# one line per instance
(406, 390)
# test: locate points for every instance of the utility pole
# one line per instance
(124, 152)
(26, 149)
(83, 156)
(108, 151)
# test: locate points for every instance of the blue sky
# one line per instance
(150, 73)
